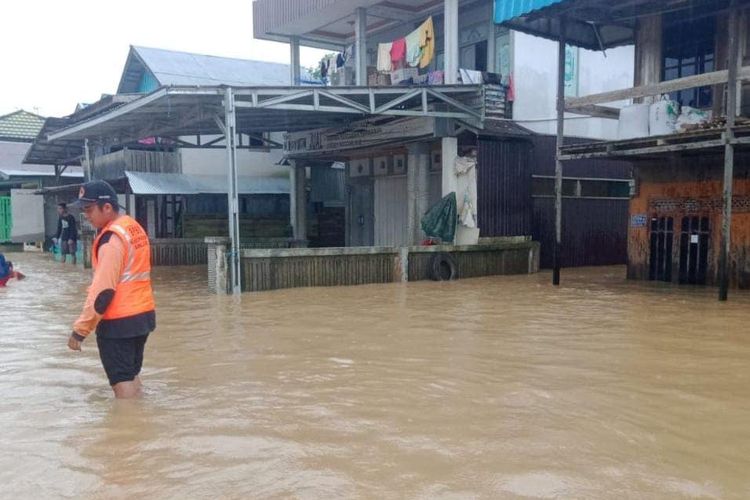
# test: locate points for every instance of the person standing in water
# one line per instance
(120, 303)
(67, 234)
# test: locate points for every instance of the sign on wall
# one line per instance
(357, 135)
(638, 220)
(571, 71)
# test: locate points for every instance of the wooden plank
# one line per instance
(596, 111)
(689, 82)
(669, 148)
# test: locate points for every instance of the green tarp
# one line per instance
(440, 220)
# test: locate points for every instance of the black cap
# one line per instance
(99, 192)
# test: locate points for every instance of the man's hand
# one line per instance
(73, 343)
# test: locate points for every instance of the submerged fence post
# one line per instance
(218, 270)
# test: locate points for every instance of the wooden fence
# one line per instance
(288, 268)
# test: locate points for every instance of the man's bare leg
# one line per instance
(129, 389)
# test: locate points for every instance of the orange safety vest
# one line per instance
(133, 294)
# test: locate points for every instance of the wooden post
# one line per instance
(558, 162)
(731, 111)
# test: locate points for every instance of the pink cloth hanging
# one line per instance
(398, 53)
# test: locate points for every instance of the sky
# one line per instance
(57, 53)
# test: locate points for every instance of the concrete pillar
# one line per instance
(233, 197)
(401, 265)
(491, 45)
(294, 65)
(218, 270)
(298, 201)
(360, 45)
(450, 37)
(448, 159)
(417, 187)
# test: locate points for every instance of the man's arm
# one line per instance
(59, 228)
(101, 292)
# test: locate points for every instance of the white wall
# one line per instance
(535, 83)
(249, 163)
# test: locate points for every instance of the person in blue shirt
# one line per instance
(7, 272)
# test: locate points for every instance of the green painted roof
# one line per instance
(505, 10)
(20, 126)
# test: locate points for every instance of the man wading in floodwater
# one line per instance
(120, 303)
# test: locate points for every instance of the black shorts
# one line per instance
(68, 247)
(121, 358)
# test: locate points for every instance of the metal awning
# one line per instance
(591, 24)
(587, 25)
(182, 111)
(146, 183)
(69, 151)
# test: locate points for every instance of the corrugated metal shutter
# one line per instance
(504, 188)
(391, 212)
(594, 232)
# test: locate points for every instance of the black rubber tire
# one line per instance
(443, 267)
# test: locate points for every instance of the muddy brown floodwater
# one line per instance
(499, 387)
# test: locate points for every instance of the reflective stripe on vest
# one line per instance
(133, 294)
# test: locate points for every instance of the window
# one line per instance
(543, 186)
(688, 49)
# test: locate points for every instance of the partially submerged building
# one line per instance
(174, 183)
(25, 218)
(515, 149)
(404, 142)
(688, 217)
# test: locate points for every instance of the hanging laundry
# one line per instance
(340, 60)
(398, 53)
(426, 42)
(384, 56)
(331, 63)
(413, 49)
(324, 67)
(436, 77)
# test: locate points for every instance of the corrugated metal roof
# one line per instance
(47, 172)
(11, 162)
(171, 67)
(587, 27)
(156, 183)
(20, 125)
(505, 10)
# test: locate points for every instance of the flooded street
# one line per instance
(497, 387)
